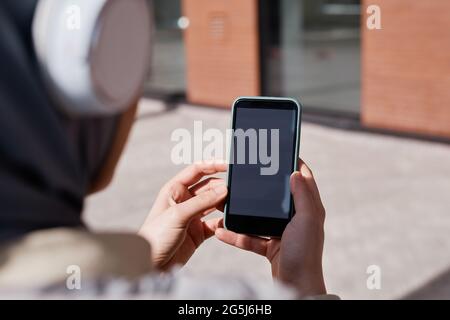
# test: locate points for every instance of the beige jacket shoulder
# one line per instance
(43, 264)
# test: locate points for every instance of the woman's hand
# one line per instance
(174, 227)
(296, 259)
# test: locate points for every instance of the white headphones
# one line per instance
(94, 54)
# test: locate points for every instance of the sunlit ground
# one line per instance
(387, 201)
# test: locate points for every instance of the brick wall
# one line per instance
(222, 50)
(406, 67)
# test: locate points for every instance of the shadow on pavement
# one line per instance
(436, 288)
(170, 102)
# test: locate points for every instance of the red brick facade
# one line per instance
(222, 50)
(406, 67)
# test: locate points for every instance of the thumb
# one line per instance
(302, 196)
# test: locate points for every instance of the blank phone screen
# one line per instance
(260, 172)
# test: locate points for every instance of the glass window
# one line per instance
(311, 50)
(168, 58)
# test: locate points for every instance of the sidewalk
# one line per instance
(387, 200)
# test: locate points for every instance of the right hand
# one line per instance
(296, 259)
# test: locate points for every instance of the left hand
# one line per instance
(174, 227)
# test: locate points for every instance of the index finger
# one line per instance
(193, 173)
(206, 201)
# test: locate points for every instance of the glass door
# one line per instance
(168, 75)
(315, 55)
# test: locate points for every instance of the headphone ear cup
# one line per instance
(94, 55)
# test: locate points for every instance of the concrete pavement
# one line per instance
(387, 201)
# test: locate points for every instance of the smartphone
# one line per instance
(263, 154)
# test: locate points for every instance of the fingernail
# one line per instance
(209, 211)
(220, 190)
(305, 171)
(221, 183)
(298, 176)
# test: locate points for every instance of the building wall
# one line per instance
(406, 67)
(222, 50)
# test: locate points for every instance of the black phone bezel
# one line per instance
(254, 225)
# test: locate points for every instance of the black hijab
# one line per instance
(47, 160)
